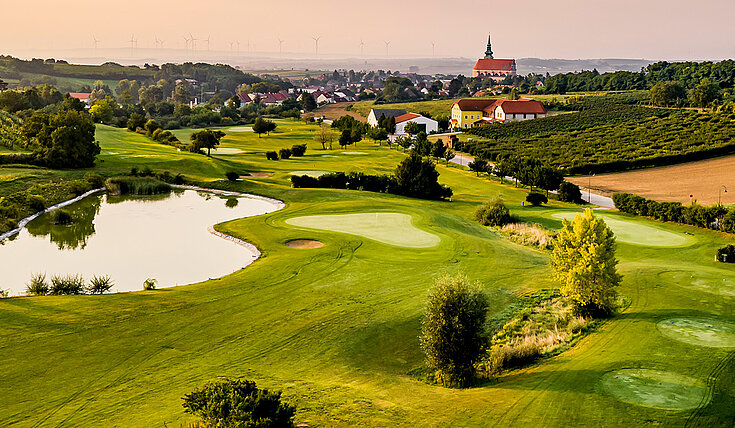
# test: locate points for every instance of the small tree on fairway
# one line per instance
(452, 332)
(345, 139)
(262, 126)
(324, 135)
(478, 165)
(206, 139)
(584, 261)
(238, 403)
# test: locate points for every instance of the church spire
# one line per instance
(489, 51)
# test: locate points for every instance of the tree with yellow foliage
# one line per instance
(584, 261)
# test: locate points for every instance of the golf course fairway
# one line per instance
(388, 228)
(713, 281)
(635, 233)
(653, 388)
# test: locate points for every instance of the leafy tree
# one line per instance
(417, 177)
(206, 139)
(238, 403)
(453, 330)
(103, 110)
(478, 166)
(704, 93)
(150, 126)
(136, 121)
(263, 126)
(62, 140)
(438, 149)
(584, 261)
(412, 128)
(345, 139)
(307, 101)
(422, 144)
(668, 94)
(536, 199)
(324, 135)
(404, 141)
(569, 192)
(284, 153)
(493, 213)
(378, 134)
(181, 93)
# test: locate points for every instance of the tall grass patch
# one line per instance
(130, 185)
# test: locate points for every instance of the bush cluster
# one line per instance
(353, 181)
(296, 150)
(494, 213)
(715, 217)
(67, 285)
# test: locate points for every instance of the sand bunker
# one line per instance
(699, 331)
(240, 129)
(638, 234)
(652, 388)
(226, 151)
(260, 175)
(354, 153)
(388, 228)
(310, 173)
(304, 244)
(328, 156)
(715, 282)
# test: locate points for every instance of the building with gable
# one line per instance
(497, 69)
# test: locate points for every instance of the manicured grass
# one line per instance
(655, 388)
(388, 228)
(699, 331)
(336, 328)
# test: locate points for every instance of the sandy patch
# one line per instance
(658, 389)
(354, 153)
(260, 175)
(227, 151)
(304, 244)
(310, 173)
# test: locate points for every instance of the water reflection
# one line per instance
(69, 236)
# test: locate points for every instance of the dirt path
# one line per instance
(335, 111)
(702, 179)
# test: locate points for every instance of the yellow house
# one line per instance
(466, 113)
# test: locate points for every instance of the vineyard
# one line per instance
(680, 136)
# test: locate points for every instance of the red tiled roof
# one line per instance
(80, 95)
(522, 106)
(490, 64)
(406, 117)
(475, 105)
(245, 98)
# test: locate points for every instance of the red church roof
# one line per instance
(490, 64)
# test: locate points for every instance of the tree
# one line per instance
(417, 177)
(307, 101)
(62, 140)
(324, 135)
(103, 110)
(668, 94)
(345, 139)
(412, 128)
(453, 330)
(405, 142)
(438, 149)
(448, 155)
(584, 261)
(263, 126)
(378, 134)
(478, 166)
(704, 93)
(536, 199)
(238, 403)
(206, 139)
(569, 192)
(181, 93)
(493, 213)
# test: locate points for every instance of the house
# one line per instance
(497, 69)
(468, 113)
(81, 96)
(425, 124)
(244, 99)
(323, 97)
(376, 113)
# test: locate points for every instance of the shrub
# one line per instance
(232, 175)
(298, 150)
(452, 332)
(532, 235)
(536, 199)
(271, 155)
(36, 202)
(94, 180)
(127, 185)
(150, 284)
(494, 213)
(100, 284)
(284, 153)
(38, 285)
(569, 192)
(66, 285)
(238, 403)
(417, 177)
(62, 217)
(726, 254)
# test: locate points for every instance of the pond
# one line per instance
(165, 237)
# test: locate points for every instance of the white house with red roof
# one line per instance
(497, 69)
(81, 96)
(426, 124)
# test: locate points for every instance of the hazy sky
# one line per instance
(651, 29)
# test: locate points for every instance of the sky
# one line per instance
(570, 29)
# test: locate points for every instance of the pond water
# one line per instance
(130, 239)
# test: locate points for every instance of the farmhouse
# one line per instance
(81, 96)
(468, 113)
(497, 69)
(425, 124)
(377, 113)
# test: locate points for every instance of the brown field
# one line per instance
(335, 111)
(701, 179)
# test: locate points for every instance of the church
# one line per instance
(497, 69)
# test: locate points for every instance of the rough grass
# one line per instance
(532, 235)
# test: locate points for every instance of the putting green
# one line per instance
(652, 388)
(637, 234)
(718, 282)
(699, 331)
(388, 228)
(310, 173)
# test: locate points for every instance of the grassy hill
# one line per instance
(336, 327)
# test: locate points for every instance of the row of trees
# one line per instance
(716, 217)
(525, 170)
(675, 94)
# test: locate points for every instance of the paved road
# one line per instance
(599, 200)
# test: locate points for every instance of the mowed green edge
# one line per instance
(388, 228)
(336, 328)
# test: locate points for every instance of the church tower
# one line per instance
(489, 51)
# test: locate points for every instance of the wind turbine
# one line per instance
(238, 46)
(207, 40)
(193, 42)
(158, 42)
(433, 49)
(187, 42)
(387, 44)
(161, 42)
(96, 42)
(316, 45)
(280, 46)
(133, 44)
(231, 44)
(362, 48)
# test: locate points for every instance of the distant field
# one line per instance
(335, 111)
(288, 74)
(672, 183)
